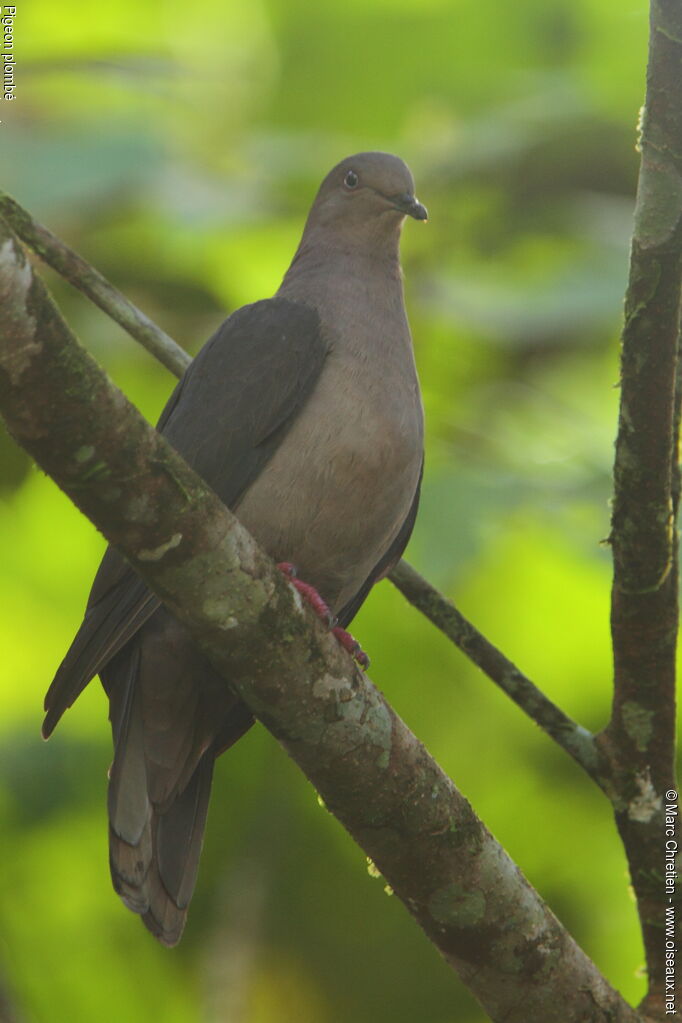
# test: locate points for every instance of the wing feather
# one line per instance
(227, 417)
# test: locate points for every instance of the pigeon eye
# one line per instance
(351, 179)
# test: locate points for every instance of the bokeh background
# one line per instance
(178, 147)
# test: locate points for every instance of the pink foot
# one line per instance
(308, 592)
(323, 611)
(351, 644)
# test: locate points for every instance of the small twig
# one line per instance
(78, 272)
(577, 741)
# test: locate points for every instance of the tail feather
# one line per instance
(171, 716)
(166, 777)
(156, 877)
(156, 874)
(130, 866)
(179, 835)
(163, 918)
(128, 801)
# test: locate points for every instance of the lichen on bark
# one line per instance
(369, 769)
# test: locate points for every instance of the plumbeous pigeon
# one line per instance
(303, 412)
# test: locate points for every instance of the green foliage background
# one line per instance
(178, 148)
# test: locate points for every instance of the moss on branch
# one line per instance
(372, 773)
(640, 737)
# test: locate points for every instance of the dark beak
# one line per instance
(410, 205)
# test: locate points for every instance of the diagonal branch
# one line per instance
(644, 614)
(453, 877)
(91, 282)
(576, 740)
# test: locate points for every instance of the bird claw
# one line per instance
(351, 644)
(323, 611)
(309, 594)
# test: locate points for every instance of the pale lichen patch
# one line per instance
(383, 760)
(453, 905)
(16, 278)
(84, 454)
(327, 686)
(219, 610)
(646, 803)
(298, 600)
(659, 200)
(638, 723)
(156, 553)
(140, 509)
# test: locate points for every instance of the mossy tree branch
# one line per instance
(378, 780)
(644, 617)
(575, 739)
(82, 275)
(632, 760)
(596, 755)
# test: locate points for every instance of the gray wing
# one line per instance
(227, 417)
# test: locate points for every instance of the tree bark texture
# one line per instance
(372, 773)
(640, 738)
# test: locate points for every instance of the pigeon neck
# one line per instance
(322, 262)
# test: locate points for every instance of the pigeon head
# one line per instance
(374, 189)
